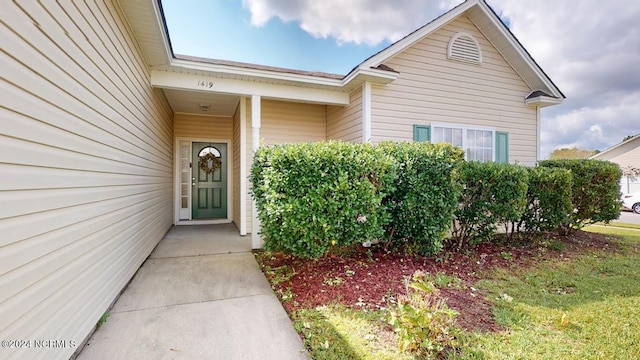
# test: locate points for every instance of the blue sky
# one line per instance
(222, 29)
(592, 52)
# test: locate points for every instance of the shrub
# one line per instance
(548, 199)
(595, 191)
(424, 195)
(424, 323)
(312, 196)
(492, 194)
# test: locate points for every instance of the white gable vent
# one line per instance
(464, 47)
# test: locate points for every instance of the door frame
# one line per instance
(176, 182)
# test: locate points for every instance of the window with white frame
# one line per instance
(478, 144)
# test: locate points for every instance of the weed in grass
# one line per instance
(507, 255)
(424, 323)
(335, 281)
(442, 280)
(444, 256)
(510, 316)
(369, 255)
(286, 295)
(103, 319)
(554, 245)
(349, 272)
(279, 274)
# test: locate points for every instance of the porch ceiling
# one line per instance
(183, 101)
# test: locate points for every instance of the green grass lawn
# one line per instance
(582, 308)
(621, 224)
(587, 307)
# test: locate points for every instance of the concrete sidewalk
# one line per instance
(199, 295)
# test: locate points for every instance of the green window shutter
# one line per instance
(421, 133)
(502, 147)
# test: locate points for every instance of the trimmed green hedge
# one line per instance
(424, 195)
(595, 191)
(312, 196)
(548, 199)
(492, 194)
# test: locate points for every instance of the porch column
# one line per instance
(256, 115)
(366, 112)
(244, 188)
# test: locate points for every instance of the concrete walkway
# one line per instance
(199, 295)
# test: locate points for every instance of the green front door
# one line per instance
(209, 181)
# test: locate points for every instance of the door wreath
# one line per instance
(209, 163)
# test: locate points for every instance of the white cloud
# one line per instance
(592, 127)
(349, 21)
(590, 48)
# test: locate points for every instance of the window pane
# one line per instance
(448, 135)
(471, 154)
(479, 145)
(436, 136)
(457, 137)
(487, 154)
(471, 139)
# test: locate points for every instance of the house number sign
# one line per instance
(205, 84)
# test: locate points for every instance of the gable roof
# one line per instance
(489, 23)
(146, 19)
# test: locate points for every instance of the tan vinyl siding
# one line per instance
(345, 122)
(629, 158)
(203, 127)
(86, 163)
(281, 123)
(625, 154)
(433, 89)
(291, 122)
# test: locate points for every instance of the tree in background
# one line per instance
(628, 137)
(572, 153)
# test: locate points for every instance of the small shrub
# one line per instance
(424, 323)
(311, 197)
(492, 194)
(548, 199)
(595, 191)
(424, 195)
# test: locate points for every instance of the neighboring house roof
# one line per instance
(619, 149)
(147, 22)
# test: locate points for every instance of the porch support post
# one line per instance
(366, 112)
(256, 115)
(538, 135)
(244, 188)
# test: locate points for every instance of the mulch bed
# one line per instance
(371, 277)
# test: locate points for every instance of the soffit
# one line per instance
(190, 102)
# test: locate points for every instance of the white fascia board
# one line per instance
(163, 31)
(203, 83)
(543, 101)
(258, 73)
(406, 42)
(521, 51)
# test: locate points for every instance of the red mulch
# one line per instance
(371, 278)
